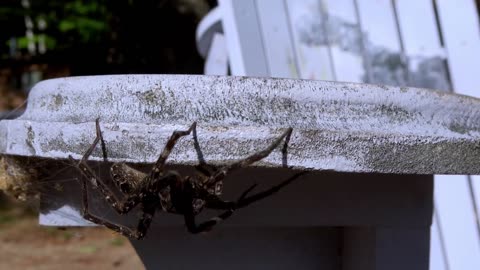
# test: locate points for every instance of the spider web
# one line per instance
(51, 187)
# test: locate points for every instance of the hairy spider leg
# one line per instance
(208, 225)
(204, 169)
(102, 142)
(266, 193)
(98, 138)
(159, 166)
(138, 233)
(214, 202)
(121, 206)
(222, 172)
(83, 161)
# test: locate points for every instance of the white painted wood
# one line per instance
(476, 193)
(460, 28)
(461, 34)
(242, 31)
(311, 50)
(208, 26)
(422, 45)
(457, 218)
(217, 58)
(277, 39)
(344, 36)
(378, 21)
(382, 43)
(418, 28)
(438, 259)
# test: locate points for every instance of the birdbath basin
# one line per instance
(371, 152)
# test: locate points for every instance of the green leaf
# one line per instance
(66, 25)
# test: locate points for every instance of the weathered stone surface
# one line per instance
(338, 126)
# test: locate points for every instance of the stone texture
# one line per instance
(337, 126)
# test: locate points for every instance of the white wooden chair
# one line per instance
(423, 43)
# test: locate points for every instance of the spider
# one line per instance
(167, 190)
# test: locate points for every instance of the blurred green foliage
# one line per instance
(87, 20)
(60, 24)
(103, 36)
(50, 42)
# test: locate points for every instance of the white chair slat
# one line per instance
(344, 37)
(418, 28)
(313, 56)
(457, 218)
(378, 21)
(461, 34)
(476, 196)
(217, 59)
(244, 41)
(383, 54)
(438, 259)
(277, 39)
(422, 45)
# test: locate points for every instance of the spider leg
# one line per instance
(207, 225)
(206, 170)
(82, 164)
(121, 207)
(99, 138)
(213, 202)
(245, 201)
(160, 164)
(203, 168)
(222, 172)
(138, 233)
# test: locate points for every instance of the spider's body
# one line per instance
(168, 191)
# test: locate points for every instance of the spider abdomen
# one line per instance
(127, 178)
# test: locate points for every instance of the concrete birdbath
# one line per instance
(371, 151)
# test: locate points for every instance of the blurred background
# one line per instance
(45, 39)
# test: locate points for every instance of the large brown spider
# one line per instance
(168, 190)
